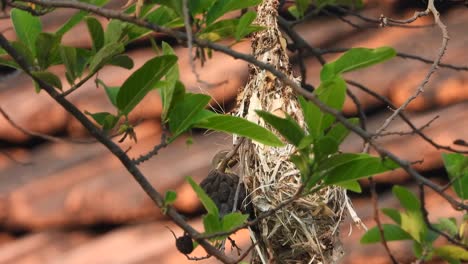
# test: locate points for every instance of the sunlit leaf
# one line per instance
(27, 28)
(457, 168)
(207, 202)
(287, 127)
(241, 127)
(391, 233)
(356, 58)
(142, 81)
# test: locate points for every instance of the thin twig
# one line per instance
(430, 9)
(154, 151)
(425, 215)
(405, 118)
(375, 206)
(43, 136)
(78, 85)
(412, 132)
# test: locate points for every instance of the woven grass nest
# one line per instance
(306, 230)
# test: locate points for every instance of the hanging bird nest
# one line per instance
(306, 230)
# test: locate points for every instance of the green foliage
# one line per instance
(391, 233)
(27, 28)
(332, 93)
(287, 127)
(182, 117)
(105, 119)
(354, 59)
(245, 27)
(97, 33)
(69, 59)
(49, 78)
(142, 81)
(452, 253)
(457, 168)
(222, 7)
(241, 127)
(348, 166)
(410, 225)
(47, 46)
(104, 55)
(212, 221)
(169, 199)
(77, 18)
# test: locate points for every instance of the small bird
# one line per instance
(221, 186)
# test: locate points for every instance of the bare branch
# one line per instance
(43, 136)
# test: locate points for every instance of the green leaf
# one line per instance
(233, 220)
(448, 225)
(105, 119)
(457, 168)
(294, 12)
(209, 205)
(173, 72)
(69, 58)
(339, 132)
(83, 56)
(212, 224)
(2, 51)
(49, 78)
(73, 21)
(221, 7)
(302, 164)
(324, 147)
(24, 51)
(170, 197)
(355, 58)
(96, 31)
(76, 18)
(407, 199)
(391, 233)
(9, 63)
(244, 23)
(411, 220)
(302, 6)
(182, 116)
(199, 6)
(452, 252)
(287, 127)
(171, 93)
(241, 127)
(27, 28)
(306, 142)
(332, 93)
(104, 55)
(114, 32)
(346, 167)
(393, 214)
(219, 30)
(142, 81)
(175, 5)
(47, 49)
(351, 186)
(123, 61)
(111, 92)
(166, 17)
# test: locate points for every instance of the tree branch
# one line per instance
(155, 196)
